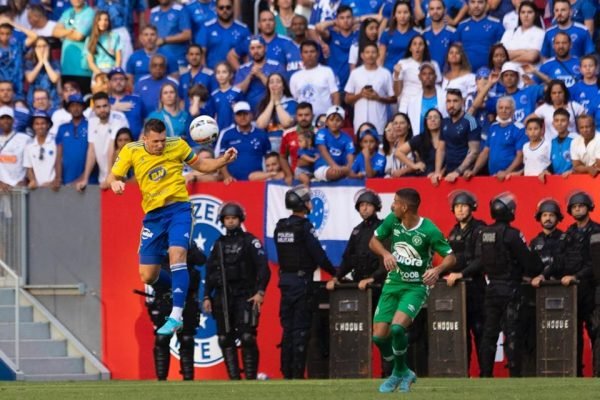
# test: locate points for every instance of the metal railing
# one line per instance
(13, 231)
(9, 274)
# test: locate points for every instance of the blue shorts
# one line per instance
(162, 228)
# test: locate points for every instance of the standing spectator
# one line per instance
(251, 143)
(423, 146)
(41, 72)
(323, 10)
(74, 26)
(221, 101)
(200, 11)
(40, 154)
(148, 87)
(290, 141)
(128, 104)
(536, 153)
(524, 42)
(251, 78)
(41, 101)
(560, 153)
(220, 35)
(497, 57)
(176, 118)
(123, 136)
(196, 74)
(439, 36)
(581, 41)
(562, 66)
(585, 92)
(585, 148)
(429, 96)
(336, 150)
(369, 90)
(284, 16)
(12, 151)
(138, 64)
(368, 163)
(103, 46)
(11, 58)
(394, 41)
(276, 110)
(458, 73)
(62, 115)
(39, 22)
(315, 83)
(300, 34)
(6, 93)
(174, 29)
(478, 33)
(397, 132)
(557, 96)
(368, 34)
(455, 10)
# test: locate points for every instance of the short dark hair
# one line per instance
(548, 92)
(100, 96)
(565, 34)
(585, 116)
(563, 112)
(149, 26)
(309, 42)
(535, 120)
(154, 125)
(454, 92)
(75, 85)
(562, 1)
(7, 26)
(304, 105)
(369, 44)
(195, 45)
(37, 9)
(411, 197)
(344, 8)
(272, 154)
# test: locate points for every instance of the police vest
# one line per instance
(495, 258)
(235, 262)
(291, 248)
(361, 259)
(575, 245)
(548, 248)
(462, 244)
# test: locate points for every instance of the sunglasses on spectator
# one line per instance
(225, 7)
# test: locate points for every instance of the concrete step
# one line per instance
(61, 377)
(36, 348)
(7, 313)
(7, 297)
(28, 330)
(44, 365)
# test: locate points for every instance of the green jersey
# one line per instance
(412, 248)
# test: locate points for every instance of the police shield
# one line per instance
(447, 316)
(350, 332)
(556, 323)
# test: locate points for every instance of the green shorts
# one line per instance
(398, 296)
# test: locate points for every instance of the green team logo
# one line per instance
(405, 254)
(417, 240)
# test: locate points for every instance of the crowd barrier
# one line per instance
(13, 231)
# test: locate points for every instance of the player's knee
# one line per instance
(148, 275)
(398, 330)
(177, 255)
(248, 339)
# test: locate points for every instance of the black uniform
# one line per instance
(299, 253)
(246, 272)
(503, 256)
(462, 241)
(160, 308)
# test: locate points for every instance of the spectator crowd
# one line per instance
(327, 89)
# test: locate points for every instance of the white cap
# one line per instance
(6, 111)
(336, 110)
(510, 66)
(241, 106)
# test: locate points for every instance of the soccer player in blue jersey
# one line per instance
(581, 41)
(439, 36)
(174, 29)
(563, 65)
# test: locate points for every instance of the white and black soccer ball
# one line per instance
(204, 130)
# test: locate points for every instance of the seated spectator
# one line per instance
(128, 104)
(42, 73)
(560, 153)
(557, 96)
(320, 121)
(290, 141)
(536, 153)
(397, 132)
(173, 28)
(336, 151)
(221, 101)
(524, 42)
(149, 86)
(40, 24)
(103, 46)
(368, 162)
(368, 34)
(277, 109)
(251, 143)
(196, 176)
(12, 63)
(198, 96)
(12, 151)
(393, 42)
(62, 114)
(369, 90)
(123, 136)
(418, 154)
(307, 157)
(272, 170)
(458, 73)
(585, 91)
(429, 96)
(176, 118)
(562, 66)
(40, 154)
(196, 74)
(585, 148)
(503, 146)
(138, 64)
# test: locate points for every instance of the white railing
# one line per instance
(15, 283)
(13, 231)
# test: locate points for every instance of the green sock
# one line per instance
(399, 347)
(385, 347)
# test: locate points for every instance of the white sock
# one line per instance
(176, 313)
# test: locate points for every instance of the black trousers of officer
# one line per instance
(595, 319)
(585, 318)
(528, 331)
(475, 316)
(162, 353)
(502, 312)
(295, 314)
(243, 320)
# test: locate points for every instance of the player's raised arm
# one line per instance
(208, 165)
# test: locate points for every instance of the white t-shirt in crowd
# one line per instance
(12, 151)
(59, 117)
(368, 110)
(536, 159)
(465, 83)
(411, 84)
(46, 31)
(315, 86)
(546, 112)
(102, 136)
(353, 54)
(517, 39)
(41, 157)
(587, 154)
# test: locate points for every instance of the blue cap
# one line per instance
(41, 114)
(369, 131)
(257, 38)
(75, 98)
(115, 71)
(483, 72)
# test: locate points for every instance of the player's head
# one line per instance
(463, 205)
(367, 203)
(154, 136)
(406, 201)
(297, 199)
(503, 207)
(579, 205)
(548, 213)
(231, 215)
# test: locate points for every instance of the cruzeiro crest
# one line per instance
(320, 210)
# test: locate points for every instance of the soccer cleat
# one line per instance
(170, 327)
(408, 379)
(390, 384)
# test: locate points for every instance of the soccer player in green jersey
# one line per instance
(414, 239)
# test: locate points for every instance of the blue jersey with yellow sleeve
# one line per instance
(159, 176)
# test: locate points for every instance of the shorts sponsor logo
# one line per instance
(147, 234)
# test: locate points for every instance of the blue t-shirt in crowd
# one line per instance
(439, 43)
(138, 64)
(339, 147)
(477, 37)
(134, 116)
(149, 91)
(199, 13)
(396, 44)
(220, 105)
(457, 136)
(279, 48)
(525, 101)
(339, 51)
(205, 78)
(567, 70)
(377, 163)
(323, 10)
(586, 95)
(251, 146)
(581, 41)
(504, 142)
(452, 8)
(121, 12)
(177, 125)
(218, 40)
(58, 8)
(12, 63)
(171, 22)
(74, 141)
(560, 155)
(427, 103)
(311, 152)
(363, 7)
(42, 81)
(582, 10)
(256, 89)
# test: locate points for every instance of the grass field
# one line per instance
(430, 389)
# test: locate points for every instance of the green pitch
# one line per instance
(429, 389)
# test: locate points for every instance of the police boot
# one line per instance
(162, 356)
(231, 362)
(249, 355)
(186, 354)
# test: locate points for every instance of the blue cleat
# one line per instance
(390, 384)
(170, 327)
(408, 379)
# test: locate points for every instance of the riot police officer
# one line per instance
(159, 307)
(237, 277)
(503, 256)
(299, 253)
(462, 240)
(548, 245)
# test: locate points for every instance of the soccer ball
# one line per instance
(204, 130)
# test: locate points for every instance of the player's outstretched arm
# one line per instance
(116, 183)
(209, 165)
(389, 262)
(431, 276)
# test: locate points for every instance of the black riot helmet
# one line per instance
(296, 198)
(548, 205)
(231, 210)
(464, 197)
(367, 196)
(503, 207)
(580, 197)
